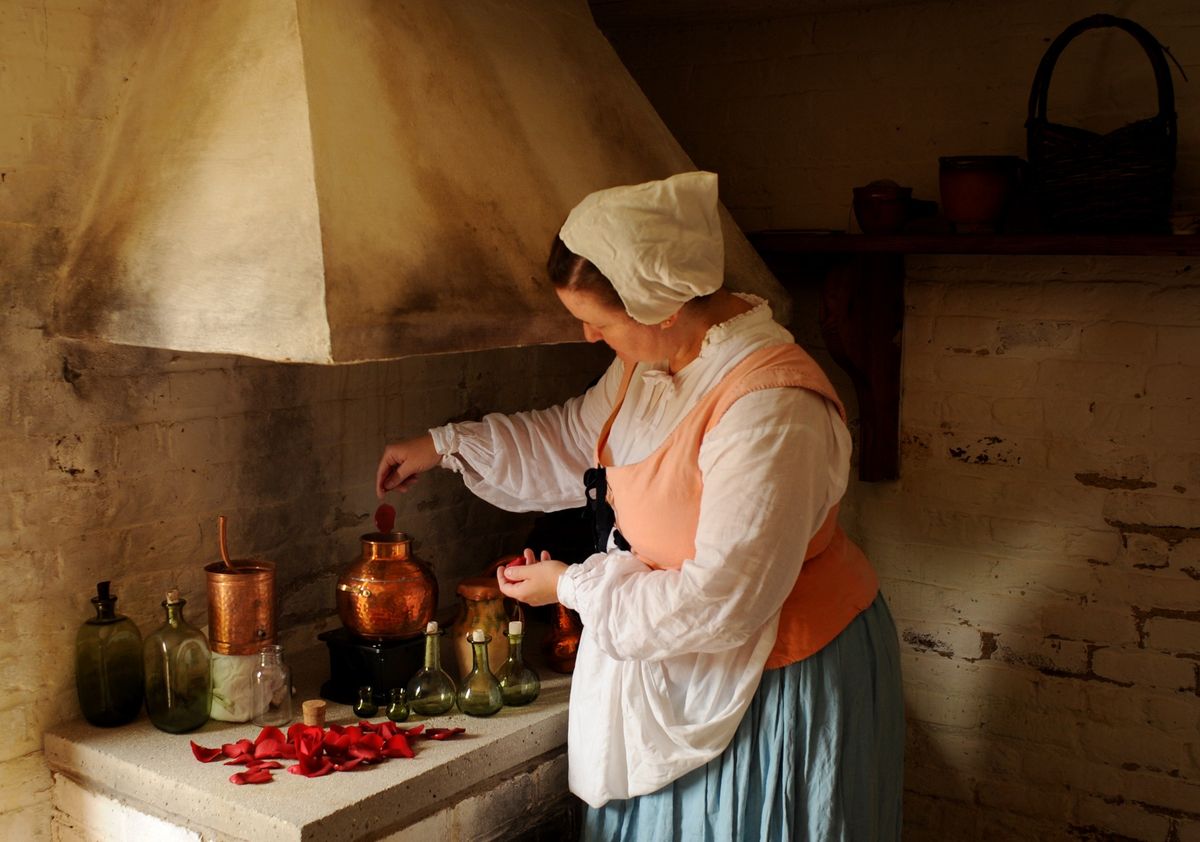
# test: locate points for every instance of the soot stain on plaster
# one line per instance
(1172, 535)
(985, 451)
(924, 642)
(1096, 480)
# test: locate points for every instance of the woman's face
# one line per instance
(632, 341)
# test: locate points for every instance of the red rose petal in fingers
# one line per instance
(206, 755)
(254, 776)
(516, 561)
(385, 518)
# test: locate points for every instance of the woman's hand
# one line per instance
(402, 462)
(535, 582)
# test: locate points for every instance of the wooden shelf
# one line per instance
(862, 303)
(788, 242)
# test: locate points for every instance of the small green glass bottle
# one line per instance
(480, 694)
(108, 664)
(519, 684)
(397, 709)
(365, 707)
(431, 692)
(178, 671)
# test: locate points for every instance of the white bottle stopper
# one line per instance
(173, 596)
(431, 627)
(478, 636)
(516, 627)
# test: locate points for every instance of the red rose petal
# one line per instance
(385, 518)
(325, 767)
(270, 732)
(254, 776)
(206, 755)
(238, 749)
(414, 731)
(264, 764)
(350, 765)
(269, 748)
(443, 733)
(397, 746)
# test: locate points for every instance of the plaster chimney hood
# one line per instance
(327, 182)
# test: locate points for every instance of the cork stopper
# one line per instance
(516, 627)
(478, 636)
(173, 596)
(431, 627)
(314, 712)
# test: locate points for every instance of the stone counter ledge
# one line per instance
(154, 774)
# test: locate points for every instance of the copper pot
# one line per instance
(387, 593)
(241, 605)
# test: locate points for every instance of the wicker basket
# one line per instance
(1086, 182)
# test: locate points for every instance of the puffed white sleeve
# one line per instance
(530, 461)
(773, 468)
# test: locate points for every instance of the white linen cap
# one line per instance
(659, 243)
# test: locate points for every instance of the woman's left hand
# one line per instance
(535, 582)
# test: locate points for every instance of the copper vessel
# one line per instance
(241, 601)
(561, 645)
(387, 593)
(241, 605)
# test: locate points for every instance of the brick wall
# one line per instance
(1041, 551)
(114, 462)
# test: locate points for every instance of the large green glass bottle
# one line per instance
(108, 664)
(178, 671)
(480, 694)
(519, 684)
(431, 692)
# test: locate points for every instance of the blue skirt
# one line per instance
(818, 756)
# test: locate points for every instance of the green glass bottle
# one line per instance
(397, 709)
(431, 692)
(480, 694)
(178, 671)
(365, 707)
(519, 684)
(108, 664)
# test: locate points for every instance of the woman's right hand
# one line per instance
(402, 462)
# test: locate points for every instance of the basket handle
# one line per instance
(1039, 95)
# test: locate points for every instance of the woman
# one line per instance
(738, 675)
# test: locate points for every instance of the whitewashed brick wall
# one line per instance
(114, 462)
(1041, 551)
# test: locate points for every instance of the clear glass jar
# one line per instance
(480, 693)
(178, 671)
(108, 664)
(272, 688)
(519, 684)
(431, 692)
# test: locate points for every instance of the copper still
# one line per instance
(387, 593)
(241, 601)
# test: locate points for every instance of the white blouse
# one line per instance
(669, 659)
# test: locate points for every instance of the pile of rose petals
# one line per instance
(318, 751)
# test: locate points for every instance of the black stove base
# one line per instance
(355, 663)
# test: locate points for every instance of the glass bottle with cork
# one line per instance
(178, 671)
(519, 684)
(108, 663)
(480, 693)
(431, 692)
